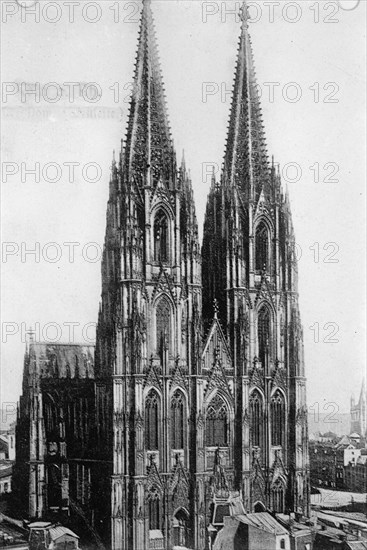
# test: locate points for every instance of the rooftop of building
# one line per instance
(6, 472)
(356, 544)
(234, 529)
(300, 526)
(263, 521)
(59, 531)
(61, 360)
(351, 516)
(334, 534)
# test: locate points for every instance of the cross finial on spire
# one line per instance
(216, 308)
(244, 15)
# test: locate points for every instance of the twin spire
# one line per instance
(149, 153)
(246, 161)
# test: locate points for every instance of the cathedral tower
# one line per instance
(148, 337)
(250, 270)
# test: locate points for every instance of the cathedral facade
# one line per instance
(195, 402)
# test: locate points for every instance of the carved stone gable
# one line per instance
(278, 470)
(154, 482)
(164, 284)
(219, 483)
(279, 377)
(178, 378)
(179, 482)
(265, 291)
(218, 380)
(257, 480)
(261, 207)
(152, 378)
(257, 376)
(216, 345)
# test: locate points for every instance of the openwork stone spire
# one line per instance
(246, 160)
(149, 154)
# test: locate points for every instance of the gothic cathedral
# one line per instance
(199, 360)
(199, 383)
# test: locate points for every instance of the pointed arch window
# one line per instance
(277, 408)
(181, 528)
(263, 332)
(154, 512)
(262, 247)
(217, 423)
(256, 419)
(152, 421)
(277, 494)
(163, 324)
(161, 240)
(54, 486)
(178, 421)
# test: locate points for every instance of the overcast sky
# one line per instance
(318, 59)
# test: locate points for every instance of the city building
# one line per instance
(322, 464)
(8, 437)
(338, 465)
(55, 431)
(5, 479)
(252, 531)
(342, 531)
(356, 474)
(48, 536)
(300, 531)
(195, 398)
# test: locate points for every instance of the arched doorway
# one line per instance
(181, 528)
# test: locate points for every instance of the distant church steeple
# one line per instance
(358, 412)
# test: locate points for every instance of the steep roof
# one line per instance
(265, 522)
(59, 531)
(356, 545)
(51, 360)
